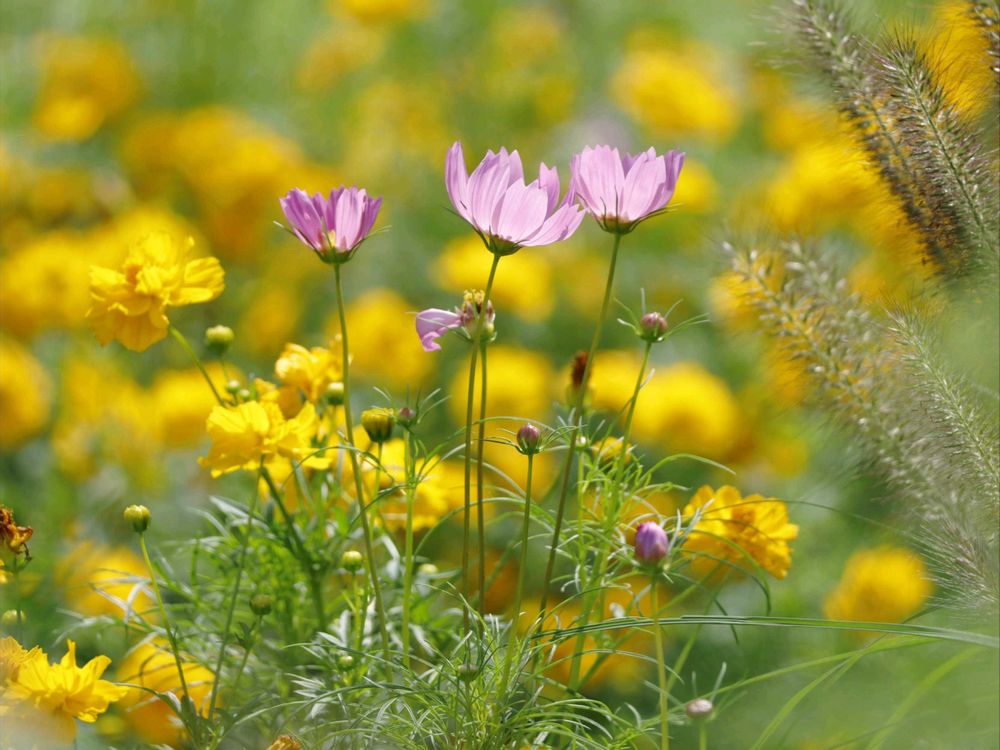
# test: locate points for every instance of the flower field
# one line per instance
(499, 375)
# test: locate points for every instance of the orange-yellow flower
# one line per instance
(732, 526)
(43, 697)
(885, 584)
(309, 370)
(244, 435)
(130, 305)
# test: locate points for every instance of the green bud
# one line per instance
(700, 709)
(260, 604)
(218, 339)
(345, 662)
(335, 394)
(378, 423)
(9, 618)
(352, 560)
(467, 672)
(138, 516)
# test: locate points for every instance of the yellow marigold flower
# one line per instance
(384, 348)
(102, 580)
(524, 288)
(25, 394)
(309, 370)
(885, 584)
(244, 435)
(674, 89)
(731, 525)
(51, 696)
(85, 83)
(12, 656)
(130, 305)
(151, 666)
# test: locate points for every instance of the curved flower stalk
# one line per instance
(334, 227)
(622, 191)
(507, 213)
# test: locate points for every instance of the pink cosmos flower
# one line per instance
(333, 227)
(622, 191)
(434, 322)
(507, 213)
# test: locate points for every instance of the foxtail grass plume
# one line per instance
(621, 191)
(333, 227)
(507, 213)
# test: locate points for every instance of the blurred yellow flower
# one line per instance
(85, 83)
(523, 284)
(338, 51)
(385, 347)
(732, 526)
(310, 371)
(130, 305)
(244, 435)
(433, 499)
(959, 54)
(521, 384)
(102, 580)
(151, 665)
(885, 584)
(676, 89)
(688, 409)
(379, 11)
(270, 320)
(182, 400)
(25, 394)
(45, 698)
(697, 192)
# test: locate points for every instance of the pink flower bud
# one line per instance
(653, 326)
(651, 543)
(527, 438)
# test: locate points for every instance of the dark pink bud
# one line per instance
(651, 543)
(653, 326)
(528, 437)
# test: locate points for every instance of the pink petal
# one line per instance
(456, 180)
(432, 324)
(522, 212)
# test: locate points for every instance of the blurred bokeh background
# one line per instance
(121, 118)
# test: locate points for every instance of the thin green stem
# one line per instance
(166, 621)
(231, 610)
(408, 461)
(523, 567)
(356, 468)
(661, 666)
(473, 360)
(702, 737)
(179, 337)
(480, 519)
(611, 515)
(301, 552)
(577, 426)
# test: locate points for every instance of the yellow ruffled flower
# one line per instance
(309, 370)
(885, 584)
(12, 656)
(244, 435)
(44, 697)
(731, 525)
(25, 394)
(130, 305)
(85, 83)
(151, 666)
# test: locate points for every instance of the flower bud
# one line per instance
(352, 561)
(378, 423)
(260, 604)
(9, 618)
(335, 394)
(699, 709)
(651, 543)
(428, 569)
(467, 672)
(285, 742)
(652, 327)
(244, 394)
(527, 439)
(406, 416)
(218, 339)
(233, 387)
(345, 662)
(138, 516)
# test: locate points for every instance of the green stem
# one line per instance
(197, 360)
(244, 548)
(611, 515)
(480, 520)
(577, 426)
(408, 461)
(473, 360)
(166, 622)
(246, 653)
(358, 484)
(523, 566)
(702, 737)
(661, 666)
(301, 552)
